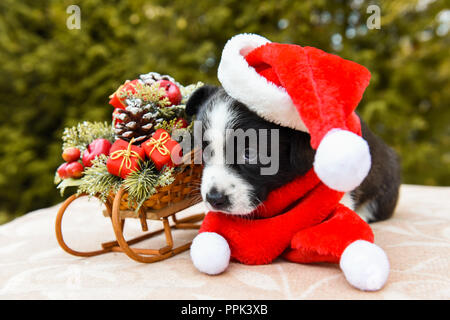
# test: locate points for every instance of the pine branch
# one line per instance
(166, 177)
(84, 133)
(147, 93)
(140, 185)
(188, 90)
(97, 181)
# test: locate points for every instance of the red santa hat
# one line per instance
(306, 89)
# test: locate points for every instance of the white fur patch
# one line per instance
(366, 210)
(347, 201)
(216, 174)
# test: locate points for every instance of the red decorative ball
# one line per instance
(94, 149)
(71, 154)
(62, 171)
(74, 169)
(173, 93)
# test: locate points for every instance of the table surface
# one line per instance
(33, 266)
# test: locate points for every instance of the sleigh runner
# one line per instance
(167, 202)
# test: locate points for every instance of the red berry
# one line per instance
(62, 171)
(71, 154)
(173, 93)
(75, 169)
(94, 149)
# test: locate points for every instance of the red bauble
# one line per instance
(94, 149)
(161, 149)
(62, 171)
(71, 154)
(117, 99)
(124, 158)
(173, 93)
(74, 169)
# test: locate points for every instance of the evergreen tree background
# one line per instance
(52, 77)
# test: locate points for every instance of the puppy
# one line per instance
(232, 181)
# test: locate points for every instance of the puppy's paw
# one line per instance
(210, 253)
(365, 265)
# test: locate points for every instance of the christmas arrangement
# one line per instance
(136, 150)
(135, 165)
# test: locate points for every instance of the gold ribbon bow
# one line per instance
(160, 144)
(127, 155)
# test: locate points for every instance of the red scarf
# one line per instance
(271, 230)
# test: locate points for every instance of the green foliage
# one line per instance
(81, 135)
(97, 180)
(141, 184)
(52, 77)
(148, 94)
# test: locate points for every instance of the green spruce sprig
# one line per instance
(140, 185)
(97, 181)
(85, 132)
(147, 94)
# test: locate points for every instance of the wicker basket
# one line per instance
(183, 187)
(165, 203)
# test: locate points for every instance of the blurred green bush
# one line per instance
(52, 77)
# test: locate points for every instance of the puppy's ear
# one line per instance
(198, 97)
(301, 153)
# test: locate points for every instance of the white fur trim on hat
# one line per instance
(244, 84)
(210, 253)
(365, 265)
(342, 160)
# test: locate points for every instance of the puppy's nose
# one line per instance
(217, 199)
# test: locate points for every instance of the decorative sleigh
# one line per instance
(129, 165)
(165, 203)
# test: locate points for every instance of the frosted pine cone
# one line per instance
(152, 77)
(138, 121)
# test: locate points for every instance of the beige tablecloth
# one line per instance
(32, 265)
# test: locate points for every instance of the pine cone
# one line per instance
(138, 121)
(152, 77)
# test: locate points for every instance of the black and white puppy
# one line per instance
(237, 186)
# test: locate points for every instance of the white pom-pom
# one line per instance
(365, 265)
(342, 160)
(210, 253)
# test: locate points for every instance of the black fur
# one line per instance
(380, 188)
(199, 98)
(295, 154)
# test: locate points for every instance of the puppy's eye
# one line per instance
(250, 155)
